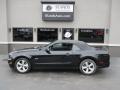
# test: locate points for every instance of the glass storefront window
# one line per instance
(68, 33)
(22, 34)
(91, 35)
(47, 34)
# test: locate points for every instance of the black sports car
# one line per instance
(64, 54)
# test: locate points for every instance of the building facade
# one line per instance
(28, 23)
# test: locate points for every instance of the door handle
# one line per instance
(67, 54)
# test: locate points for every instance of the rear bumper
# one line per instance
(103, 61)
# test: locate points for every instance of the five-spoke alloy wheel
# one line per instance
(22, 65)
(88, 67)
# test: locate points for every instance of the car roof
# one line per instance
(70, 41)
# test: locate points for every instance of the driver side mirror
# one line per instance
(48, 50)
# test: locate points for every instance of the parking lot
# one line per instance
(105, 79)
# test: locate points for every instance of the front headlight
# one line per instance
(9, 57)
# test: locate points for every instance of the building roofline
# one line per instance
(58, 1)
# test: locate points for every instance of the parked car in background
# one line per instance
(61, 54)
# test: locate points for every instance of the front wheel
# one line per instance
(22, 65)
(88, 67)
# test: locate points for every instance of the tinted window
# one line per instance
(91, 35)
(61, 47)
(47, 34)
(22, 34)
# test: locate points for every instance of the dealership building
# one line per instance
(28, 23)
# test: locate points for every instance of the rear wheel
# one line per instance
(22, 65)
(88, 67)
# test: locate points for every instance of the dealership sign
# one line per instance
(57, 11)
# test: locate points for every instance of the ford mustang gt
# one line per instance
(61, 54)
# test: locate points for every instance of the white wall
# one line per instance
(115, 23)
(88, 14)
(3, 21)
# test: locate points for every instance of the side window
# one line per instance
(61, 47)
(75, 48)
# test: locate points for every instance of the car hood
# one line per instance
(23, 51)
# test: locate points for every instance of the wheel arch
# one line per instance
(21, 57)
(89, 57)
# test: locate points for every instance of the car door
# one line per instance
(58, 55)
(65, 55)
(61, 53)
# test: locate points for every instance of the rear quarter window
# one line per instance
(75, 48)
(85, 46)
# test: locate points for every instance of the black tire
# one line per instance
(88, 67)
(22, 65)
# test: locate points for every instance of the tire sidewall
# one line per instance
(29, 65)
(86, 60)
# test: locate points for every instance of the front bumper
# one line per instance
(103, 60)
(10, 61)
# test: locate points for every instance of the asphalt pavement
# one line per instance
(103, 79)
